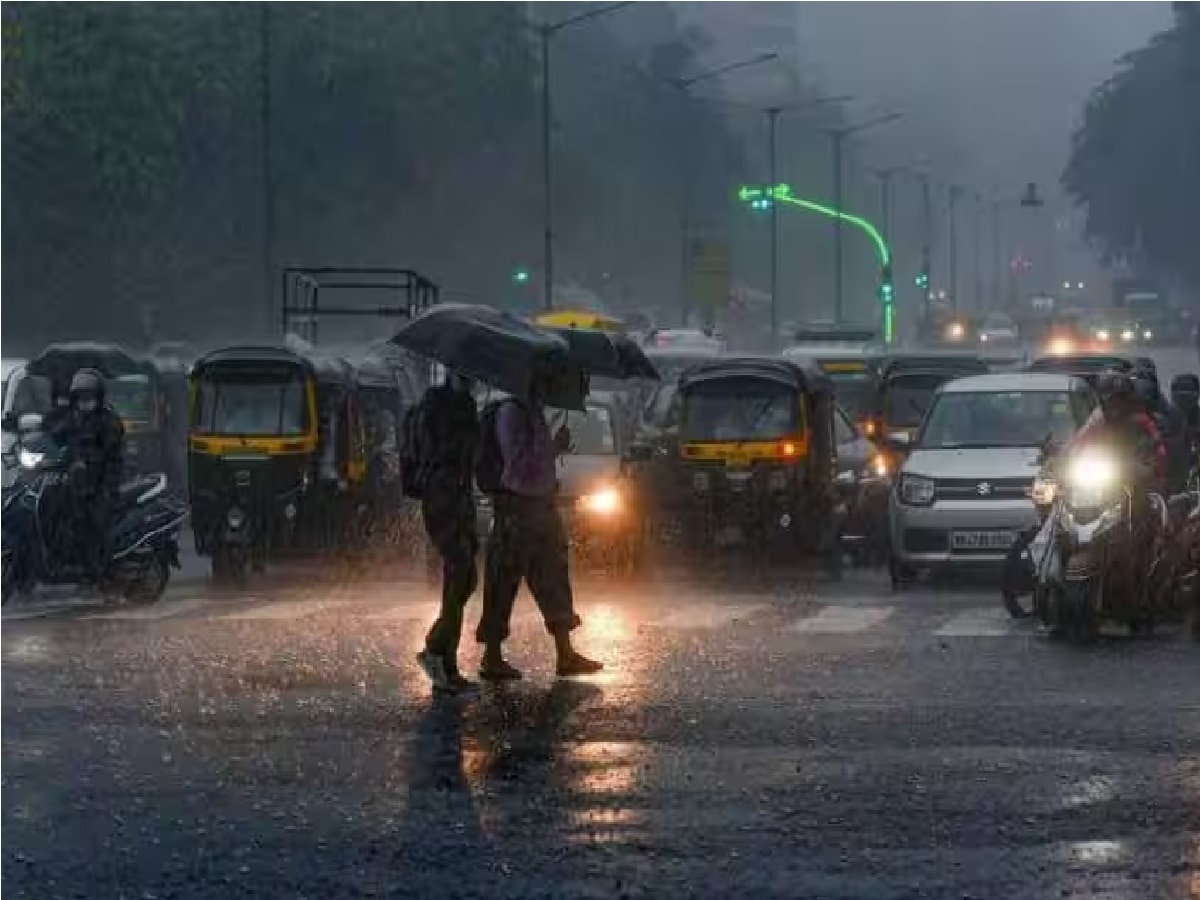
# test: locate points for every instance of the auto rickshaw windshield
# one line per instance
(130, 397)
(740, 409)
(270, 403)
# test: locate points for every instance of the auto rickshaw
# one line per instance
(757, 457)
(133, 389)
(276, 455)
(577, 318)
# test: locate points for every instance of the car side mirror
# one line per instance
(638, 453)
(900, 440)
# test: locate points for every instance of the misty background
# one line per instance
(138, 141)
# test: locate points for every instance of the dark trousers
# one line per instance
(450, 523)
(527, 543)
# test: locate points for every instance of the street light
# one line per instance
(545, 32)
(683, 85)
(839, 135)
(772, 113)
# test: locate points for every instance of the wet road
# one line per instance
(765, 736)
(780, 738)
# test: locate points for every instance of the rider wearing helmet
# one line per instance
(94, 437)
(1184, 428)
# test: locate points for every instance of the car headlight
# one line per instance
(235, 519)
(983, 338)
(916, 491)
(1103, 335)
(1062, 346)
(603, 502)
(955, 331)
(1147, 335)
(1127, 335)
(30, 459)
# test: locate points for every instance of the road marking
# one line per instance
(707, 615)
(277, 611)
(978, 623)
(843, 619)
(158, 611)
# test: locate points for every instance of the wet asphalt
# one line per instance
(759, 734)
(774, 736)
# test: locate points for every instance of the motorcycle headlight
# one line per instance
(1092, 470)
(605, 501)
(878, 467)
(916, 491)
(235, 519)
(30, 459)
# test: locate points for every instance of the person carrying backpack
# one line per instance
(440, 441)
(517, 468)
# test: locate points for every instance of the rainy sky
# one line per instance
(990, 90)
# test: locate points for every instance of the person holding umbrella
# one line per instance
(528, 541)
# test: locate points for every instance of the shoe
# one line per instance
(578, 664)
(435, 668)
(502, 670)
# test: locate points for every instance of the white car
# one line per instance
(963, 495)
(997, 329)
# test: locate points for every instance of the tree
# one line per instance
(1135, 160)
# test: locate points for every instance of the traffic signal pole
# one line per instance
(773, 180)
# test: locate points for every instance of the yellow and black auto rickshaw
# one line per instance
(276, 455)
(757, 456)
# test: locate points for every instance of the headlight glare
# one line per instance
(30, 459)
(1092, 471)
(605, 501)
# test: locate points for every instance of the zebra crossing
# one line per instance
(853, 617)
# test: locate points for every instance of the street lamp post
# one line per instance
(952, 223)
(838, 136)
(772, 113)
(684, 85)
(268, 181)
(545, 32)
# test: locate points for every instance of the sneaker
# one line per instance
(435, 668)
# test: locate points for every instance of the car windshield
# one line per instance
(129, 396)
(982, 419)
(742, 409)
(273, 404)
(855, 392)
(908, 397)
(592, 432)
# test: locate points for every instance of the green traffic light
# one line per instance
(520, 276)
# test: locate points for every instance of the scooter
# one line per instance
(143, 537)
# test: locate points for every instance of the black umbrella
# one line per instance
(496, 348)
(605, 355)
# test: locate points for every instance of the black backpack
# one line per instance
(489, 464)
(414, 472)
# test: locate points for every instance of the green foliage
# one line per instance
(1135, 160)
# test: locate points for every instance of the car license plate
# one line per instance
(981, 540)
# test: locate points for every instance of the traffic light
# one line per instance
(761, 203)
(520, 275)
(922, 280)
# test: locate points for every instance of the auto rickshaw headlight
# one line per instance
(235, 519)
(878, 467)
(605, 501)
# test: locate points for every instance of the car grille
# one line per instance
(982, 489)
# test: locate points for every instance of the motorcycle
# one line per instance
(143, 536)
(1086, 576)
